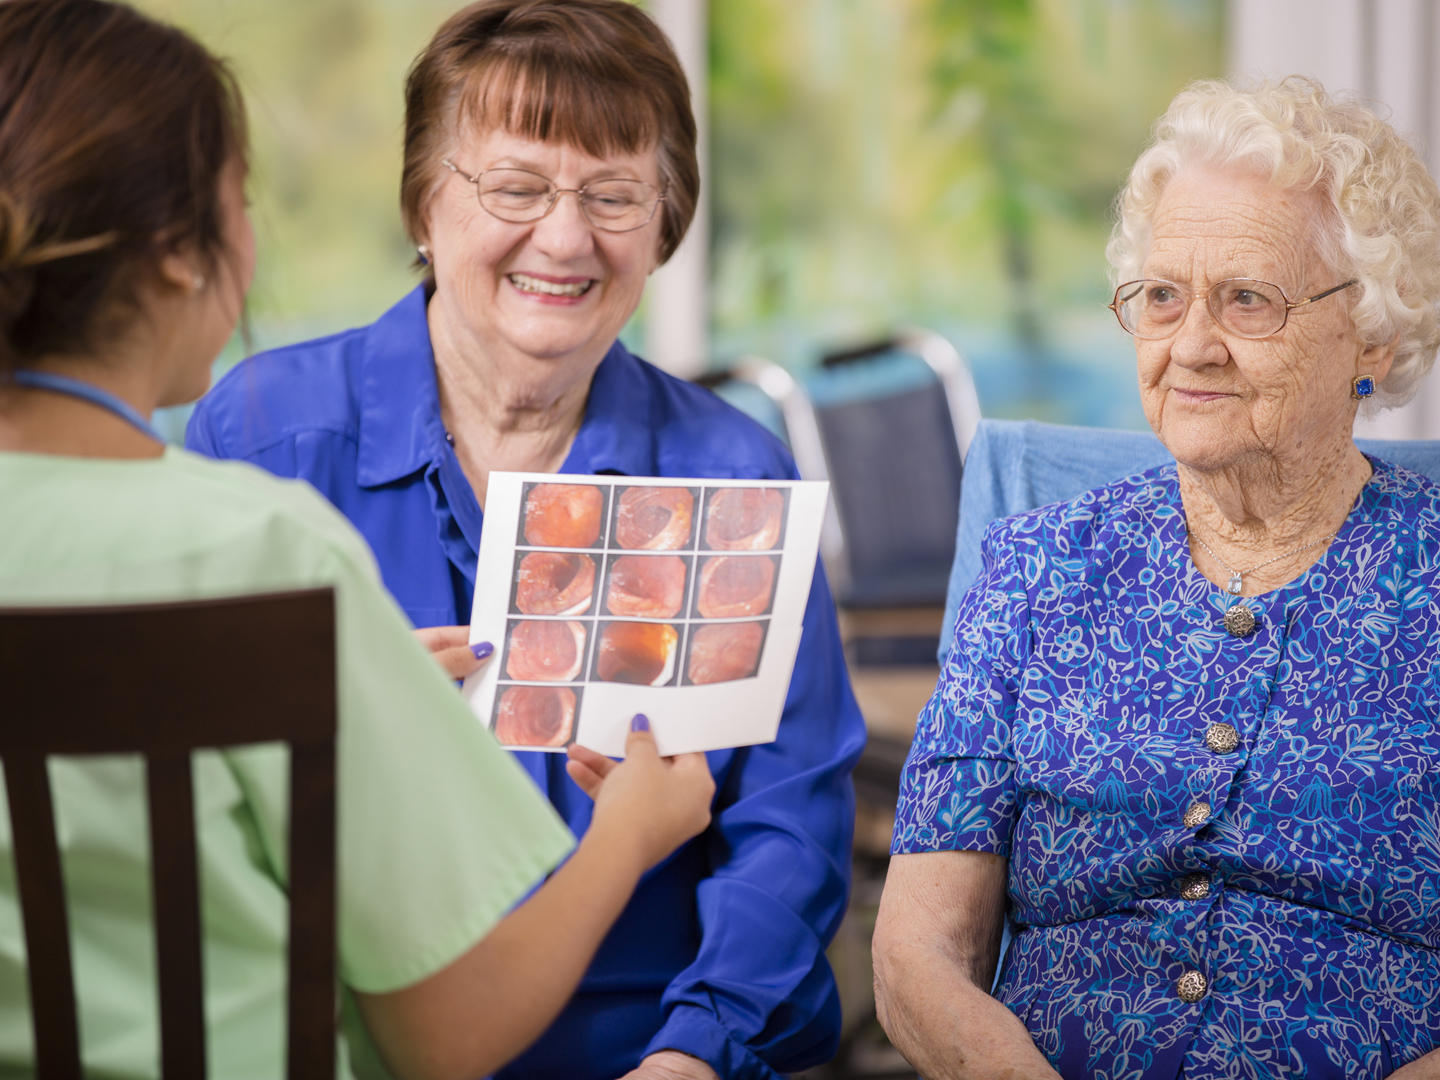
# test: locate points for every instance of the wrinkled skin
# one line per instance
(514, 367)
(1261, 428)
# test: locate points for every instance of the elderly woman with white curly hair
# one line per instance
(1190, 726)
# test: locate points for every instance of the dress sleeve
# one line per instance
(440, 832)
(760, 996)
(958, 790)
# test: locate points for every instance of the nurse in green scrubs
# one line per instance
(125, 253)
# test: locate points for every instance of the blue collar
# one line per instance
(401, 431)
(400, 428)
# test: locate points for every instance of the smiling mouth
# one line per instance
(527, 284)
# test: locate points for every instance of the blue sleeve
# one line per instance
(760, 997)
(216, 416)
(958, 791)
(200, 435)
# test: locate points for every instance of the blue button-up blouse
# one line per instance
(1295, 869)
(721, 952)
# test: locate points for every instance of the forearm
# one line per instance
(937, 943)
(946, 1026)
(492, 1003)
(1424, 1068)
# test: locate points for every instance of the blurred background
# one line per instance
(872, 163)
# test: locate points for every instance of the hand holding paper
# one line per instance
(646, 803)
(450, 646)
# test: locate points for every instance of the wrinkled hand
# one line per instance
(647, 804)
(451, 648)
(1422, 1068)
(671, 1065)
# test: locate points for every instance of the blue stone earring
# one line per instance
(1362, 387)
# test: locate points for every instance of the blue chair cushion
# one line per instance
(1017, 465)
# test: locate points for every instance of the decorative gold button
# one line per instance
(1195, 886)
(1197, 814)
(1191, 986)
(1221, 738)
(1239, 620)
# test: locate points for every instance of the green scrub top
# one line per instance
(440, 833)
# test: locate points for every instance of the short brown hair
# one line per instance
(114, 132)
(595, 74)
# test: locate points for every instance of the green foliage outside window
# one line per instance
(947, 162)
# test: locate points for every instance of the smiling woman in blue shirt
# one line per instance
(549, 169)
(1189, 727)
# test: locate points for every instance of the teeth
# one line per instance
(526, 283)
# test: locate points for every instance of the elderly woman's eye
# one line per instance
(614, 196)
(1248, 298)
(513, 189)
(1160, 295)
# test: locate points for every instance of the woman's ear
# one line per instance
(424, 253)
(179, 270)
(423, 226)
(1377, 359)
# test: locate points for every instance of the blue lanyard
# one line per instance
(63, 384)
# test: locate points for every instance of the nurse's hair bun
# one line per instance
(119, 136)
(20, 260)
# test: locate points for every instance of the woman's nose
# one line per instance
(1198, 342)
(565, 232)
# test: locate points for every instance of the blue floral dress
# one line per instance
(1224, 851)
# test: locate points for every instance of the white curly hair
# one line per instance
(1383, 221)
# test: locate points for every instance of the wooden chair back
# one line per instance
(164, 680)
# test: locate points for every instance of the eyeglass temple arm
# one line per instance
(1124, 299)
(459, 171)
(1321, 296)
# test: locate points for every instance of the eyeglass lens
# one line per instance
(516, 195)
(1155, 309)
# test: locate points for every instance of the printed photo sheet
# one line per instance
(610, 595)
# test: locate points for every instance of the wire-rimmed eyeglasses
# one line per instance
(520, 196)
(1152, 308)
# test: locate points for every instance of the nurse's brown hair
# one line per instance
(598, 75)
(114, 132)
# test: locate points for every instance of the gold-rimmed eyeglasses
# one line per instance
(1153, 308)
(520, 196)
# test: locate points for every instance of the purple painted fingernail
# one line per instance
(482, 650)
(640, 722)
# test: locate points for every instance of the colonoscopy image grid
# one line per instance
(653, 586)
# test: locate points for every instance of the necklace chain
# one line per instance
(1237, 576)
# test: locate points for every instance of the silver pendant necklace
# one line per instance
(1236, 576)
